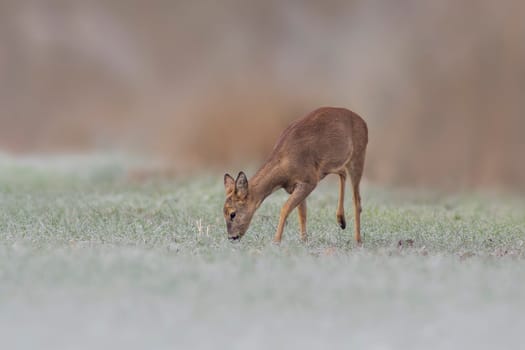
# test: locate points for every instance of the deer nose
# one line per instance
(234, 238)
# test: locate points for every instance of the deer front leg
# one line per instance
(340, 205)
(301, 210)
(300, 192)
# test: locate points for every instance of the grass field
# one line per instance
(89, 260)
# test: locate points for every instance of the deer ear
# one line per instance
(229, 183)
(241, 185)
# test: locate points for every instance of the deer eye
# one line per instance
(232, 216)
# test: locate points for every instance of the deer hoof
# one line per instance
(342, 222)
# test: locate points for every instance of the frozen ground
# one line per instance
(89, 260)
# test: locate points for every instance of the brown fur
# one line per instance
(327, 141)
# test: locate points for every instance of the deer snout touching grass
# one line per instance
(327, 141)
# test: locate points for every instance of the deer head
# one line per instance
(238, 207)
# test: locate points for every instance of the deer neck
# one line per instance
(268, 179)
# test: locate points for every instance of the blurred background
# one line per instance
(208, 84)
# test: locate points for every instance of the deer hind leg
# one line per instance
(340, 205)
(298, 195)
(355, 169)
(301, 210)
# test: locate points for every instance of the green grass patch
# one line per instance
(89, 260)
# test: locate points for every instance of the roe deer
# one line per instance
(327, 141)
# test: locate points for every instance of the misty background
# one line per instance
(212, 84)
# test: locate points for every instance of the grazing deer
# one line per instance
(327, 141)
